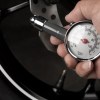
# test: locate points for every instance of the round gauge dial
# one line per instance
(83, 41)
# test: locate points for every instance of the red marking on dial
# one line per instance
(85, 41)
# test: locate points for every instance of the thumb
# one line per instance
(81, 11)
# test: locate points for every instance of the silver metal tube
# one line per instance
(43, 24)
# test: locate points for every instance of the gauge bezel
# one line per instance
(66, 40)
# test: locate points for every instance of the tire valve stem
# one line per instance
(59, 85)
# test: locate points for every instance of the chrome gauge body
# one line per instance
(83, 41)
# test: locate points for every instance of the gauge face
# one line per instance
(83, 42)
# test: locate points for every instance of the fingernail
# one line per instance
(87, 66)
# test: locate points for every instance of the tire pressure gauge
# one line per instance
(81, 39)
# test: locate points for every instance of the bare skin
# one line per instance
(84, 9)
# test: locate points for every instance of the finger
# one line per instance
(61, 50)
(75, 15)
(97, 68)
(67, 26)
(70, 61)
(55, 41)
(81, 11)
(84, 68)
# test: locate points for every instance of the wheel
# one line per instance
(30, 67)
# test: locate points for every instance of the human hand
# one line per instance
(84, 9)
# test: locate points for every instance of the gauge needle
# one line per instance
(84, 41)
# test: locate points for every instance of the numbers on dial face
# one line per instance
(83, 42)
